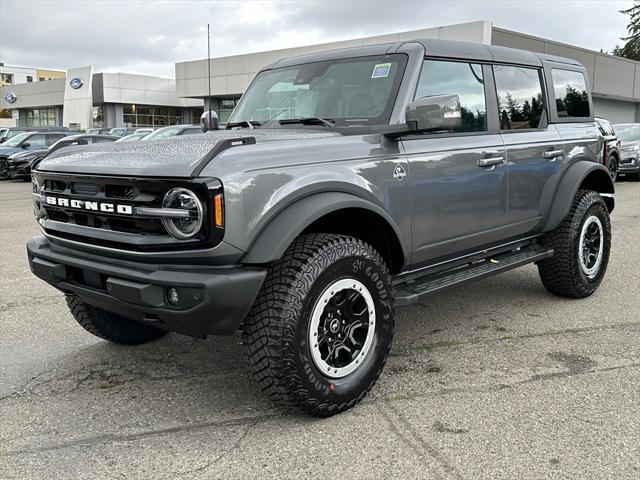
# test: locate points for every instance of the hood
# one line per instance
(173, 157)
(6, 151)
(29, 154)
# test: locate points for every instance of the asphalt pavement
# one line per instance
(496, 379)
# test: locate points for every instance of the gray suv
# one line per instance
(345, 184)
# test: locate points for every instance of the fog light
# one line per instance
(172, 296)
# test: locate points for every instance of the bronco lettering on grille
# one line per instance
(91, 206)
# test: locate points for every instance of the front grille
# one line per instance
(116, 229)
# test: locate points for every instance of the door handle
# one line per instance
(553, 154)
(490, 162)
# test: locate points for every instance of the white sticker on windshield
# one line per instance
(381, 70)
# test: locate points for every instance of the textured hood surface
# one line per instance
(173, 157)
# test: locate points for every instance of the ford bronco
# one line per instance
(345, 184)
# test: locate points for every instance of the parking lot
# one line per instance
(497, 379)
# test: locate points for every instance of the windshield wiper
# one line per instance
(327, 122)
(243, 123)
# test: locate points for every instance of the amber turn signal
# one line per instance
(217, 210)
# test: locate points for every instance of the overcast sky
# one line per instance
(148, 37)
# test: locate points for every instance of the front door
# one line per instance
(458, 179)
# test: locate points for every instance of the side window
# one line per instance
(51, 139)
(520, 101)
(463, 79)
(570, 90)
(36, 141)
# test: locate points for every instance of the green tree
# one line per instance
(631, 48)
(5, 113)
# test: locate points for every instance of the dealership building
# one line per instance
(119, 99)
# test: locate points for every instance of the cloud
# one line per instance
(149, 37)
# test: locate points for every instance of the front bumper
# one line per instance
(629, 165)
(213, 300)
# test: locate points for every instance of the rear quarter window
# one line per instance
(570, 91)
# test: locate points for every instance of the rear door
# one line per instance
(458, 179)
(534, 148)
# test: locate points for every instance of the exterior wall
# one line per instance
(19, 74)
(140, 89)
(44, 75)
(78, 103)
(616, 111)
(34, 95)
(231, 75)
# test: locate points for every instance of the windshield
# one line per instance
(163, 133)
(14, 141)
(628, 132)
(352, 91)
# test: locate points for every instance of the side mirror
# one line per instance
(438, 112)
(25, 145)
(209, 121)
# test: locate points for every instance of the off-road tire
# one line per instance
(109, 326)
(562, 274)
(275, 332)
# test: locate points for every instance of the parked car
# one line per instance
(134, 137)
(172, 131)
(384, 179)
(121, 131)
(25, 142)
(100, 131)
(144, 130)
(629, 135)
(7, 133)
(611, 153)
(19, 164)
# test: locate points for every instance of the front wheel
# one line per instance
(320, 330)
(581, 247)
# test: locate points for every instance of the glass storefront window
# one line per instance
(40, 117)
(226, 107)
(98, 117)
(151, 116)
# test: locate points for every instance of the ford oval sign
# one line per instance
(10, 97)
(75, 83)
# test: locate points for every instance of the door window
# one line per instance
(520, 101)
(36, 141)
(463, 79)
(570, 90)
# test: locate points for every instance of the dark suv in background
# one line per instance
(629, 135)
(611, 154)
(27, 141)
(19, 164)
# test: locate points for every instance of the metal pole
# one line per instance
(209, 70)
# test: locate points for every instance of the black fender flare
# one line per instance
(273, 240)
(594, 175)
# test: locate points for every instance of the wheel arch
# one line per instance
(580, 176)
(330, 212)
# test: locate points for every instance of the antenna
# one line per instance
(209, 71)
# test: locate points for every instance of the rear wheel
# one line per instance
(581, 244)
(320, 330)
(109, 326)
(613, 167)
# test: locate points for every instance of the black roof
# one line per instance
(435, 48)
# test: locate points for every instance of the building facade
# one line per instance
(11, 75)
(83, 100)
(615, 81)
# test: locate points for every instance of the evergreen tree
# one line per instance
(631, 48)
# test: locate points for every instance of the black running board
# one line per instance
(412, 292)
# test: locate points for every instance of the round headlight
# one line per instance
(187, 225)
